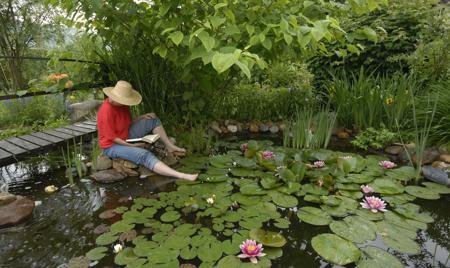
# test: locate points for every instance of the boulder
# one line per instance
(120, 166)
(274, 129)
(224, 129)
(394, 149)
(103, 162)
(170, 159)
(6, 198)
(428, 156)
(79, 111)
(441, 165)
(16, 212)
(232, 128)
(281, 126)
(254, 128)
(216, 127)
(129, 164)
(436, 175)
(445, 158)
(263, 127)
(343, 135)
(107, 176)
(145, 172)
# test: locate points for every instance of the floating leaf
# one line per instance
(374, 257)
(398, 238)
(125, 257)
(268, 238)
(273, 253)
(210, 252)
(438, 188)
(335, 249)
(404, 173)
(422, 192)
(251, 188)
(314, 216)
(387, 186)
(284, 200)
(345, 207)
(96, 253)
(282, 223)
(354, 228)
(170, 216)
(106, 239)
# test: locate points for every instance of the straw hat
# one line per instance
(123, 93)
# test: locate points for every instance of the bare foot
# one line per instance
(173, 149)
(189, 177)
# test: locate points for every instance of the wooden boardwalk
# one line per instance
(17, 148)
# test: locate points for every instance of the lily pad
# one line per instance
(314, 216)
(170, 216)
(387, 186)
(121, 227)
(96, 253)
(125, 257)
(438, 188)
(355, 229)
(422, 192)
(374, 257)
(106, 239)
(268, 238)
(335, 249)
(210, 252)
(284, 200)
(404, 173)
(251, 188)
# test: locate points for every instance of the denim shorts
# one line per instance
(136, 155)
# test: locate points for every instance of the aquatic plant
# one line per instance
(267, 154)
(319, 164)
(387, 164)
(244, 147)
(373, 203)
(251, 250)
(117, 248)
(366, 189)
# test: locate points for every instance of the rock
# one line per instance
(107, 214)
(6, 198)
(187, 265)
(254, 128)
(145, 172)
(239, 127)
(343, 135)
(216, 127)
(224, 129)
(120, 166)
(16, 212)
(125, 199)
(102, 228)
(81, 110)
(281, 126)
(170, 159)
(107, 176)
(232, 128)
(51, 189)
(440, 165)
(263, 127)
(103, 162)
(435, 175)
(445, 158)
(394, 149)
(269, 123)
(274, 129)
(129, 164)
(428, 157)
(245, 127)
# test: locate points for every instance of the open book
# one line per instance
(148, 139)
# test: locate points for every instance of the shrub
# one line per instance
(292, 75)
(374, 138)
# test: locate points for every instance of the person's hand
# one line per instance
(148, 116)
(139, 144)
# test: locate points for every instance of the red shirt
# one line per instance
(112, 122)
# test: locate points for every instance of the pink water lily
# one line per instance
(319, 164)
(387, 164)
(373, 203)
(366, 189)
(267, 154)
(251, 250)
(244, 147)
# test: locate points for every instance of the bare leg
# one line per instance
(163, 136)
(165, 170)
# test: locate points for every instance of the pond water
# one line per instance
(62, 225)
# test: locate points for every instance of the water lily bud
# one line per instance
(117, 248)
(210, 200)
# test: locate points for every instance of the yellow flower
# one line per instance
(389, 101)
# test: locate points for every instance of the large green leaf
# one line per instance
(422, 192)
(404, 173)
(284, 200)
(96, 254)
(374, 257)
(354, 228)
(268, 238)
(106, 239)
(387, 186)
(314, 216)
(176, 37)
(438, 188)
(170, 216)
(125, 257)
(210, 252)
(335, 249)
(223, 61)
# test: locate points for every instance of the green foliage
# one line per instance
(196, 140)
(292, 75)
(310, 129)
(374, 138)
(367, 100)
(247, 102)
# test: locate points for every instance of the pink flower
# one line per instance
(267, 154)
(244, 147)
(319, 164)
(251, 250)
(373, 203)
(387, 164)
(367, 189)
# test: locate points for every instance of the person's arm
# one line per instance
(119, 141)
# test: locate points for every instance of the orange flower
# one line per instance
(57, 77)
(68, 84)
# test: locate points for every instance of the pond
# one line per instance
(240, 197)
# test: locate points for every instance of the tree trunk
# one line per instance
(15, 70)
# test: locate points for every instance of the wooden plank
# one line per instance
(84, 130)
(22, 143)
(69, 131)
(4, 154)
(35, 140)
(58, 134)
(85, 126)
(47, 137)
(14, 149)
(93, 123)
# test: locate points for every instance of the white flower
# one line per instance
(210, 200)
(117, 248)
